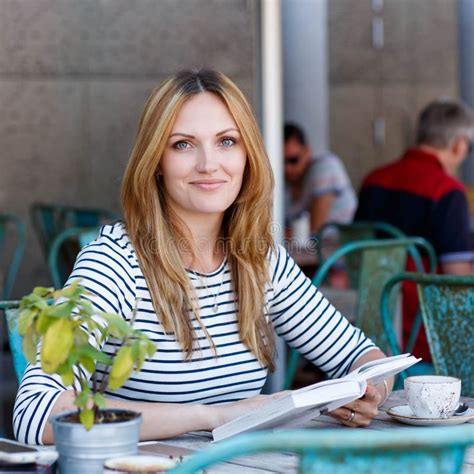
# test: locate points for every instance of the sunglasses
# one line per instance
(292, 160)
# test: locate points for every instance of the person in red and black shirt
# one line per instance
(420, 195)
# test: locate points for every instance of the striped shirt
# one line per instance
(110, 271)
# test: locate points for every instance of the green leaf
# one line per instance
(81, 400)
(73, 291)
(68, 377)
(62, 310)
(73, 357)
(87, 308)
(86, 417)
(91, 325)
(57, 343)
(94, 354)
(121, 368)
(81, 337)
(150, 348)
(42, 292)
(33, 301)
(99, 400)
(85, 387)
(66, 372)
(30, 343)
(87, 363)
(103, 332)
(43, 322)
(25, 320)
(138, 354)
(117, 326)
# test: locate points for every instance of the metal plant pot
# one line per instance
(81, 451)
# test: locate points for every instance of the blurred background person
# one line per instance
(317, 191)
(420, 194)
(317, 185)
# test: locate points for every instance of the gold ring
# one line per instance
(353, 414)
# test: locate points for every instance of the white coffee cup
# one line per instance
(432, 396)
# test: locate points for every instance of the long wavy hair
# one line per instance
(155, 231)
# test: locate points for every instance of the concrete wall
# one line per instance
(417, 63)
(74, 75)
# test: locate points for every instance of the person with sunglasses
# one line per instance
(317, 185)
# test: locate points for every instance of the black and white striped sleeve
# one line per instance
(106, 272)
(308, 322)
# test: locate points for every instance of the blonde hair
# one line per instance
(155, 231)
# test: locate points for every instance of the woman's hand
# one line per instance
(360, 412)
(220, 414)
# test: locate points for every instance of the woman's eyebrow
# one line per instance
(181, 135)
(226, 131)
(192, 136)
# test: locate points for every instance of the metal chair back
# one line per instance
(446, 308)
(354, 232)
(380, 260)
(64, 249)
(435, 450)
(49, 220)
(11, 310)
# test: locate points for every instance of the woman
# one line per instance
(196, 253)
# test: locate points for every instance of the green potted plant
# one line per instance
(56, 326)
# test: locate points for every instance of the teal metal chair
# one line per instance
(9, 266)
(350, 451)
(447, 312)
(380, 260)
(49, 220)
(354, 232)
(11, 310)
(64, 249)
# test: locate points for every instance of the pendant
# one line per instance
(215, 308)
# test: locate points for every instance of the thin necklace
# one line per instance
(215, 305)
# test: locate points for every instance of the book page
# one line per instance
(323, 394)
(378, 362)
(318, 385)
(311, 401)
(378, 370)
(294, 408)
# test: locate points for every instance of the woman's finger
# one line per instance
(344, 416)
(372, 394)
(364, 414)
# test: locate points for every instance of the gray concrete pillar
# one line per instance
(305, 67)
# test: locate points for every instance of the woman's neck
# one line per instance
(207, 245)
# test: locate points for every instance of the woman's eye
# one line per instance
(181, 145)
(227, 142)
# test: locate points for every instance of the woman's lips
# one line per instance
(208, 185)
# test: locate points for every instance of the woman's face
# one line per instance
(204, 160)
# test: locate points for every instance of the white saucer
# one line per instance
(404, 414)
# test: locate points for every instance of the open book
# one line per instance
(317, 399)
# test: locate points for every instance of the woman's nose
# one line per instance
(207, 160)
